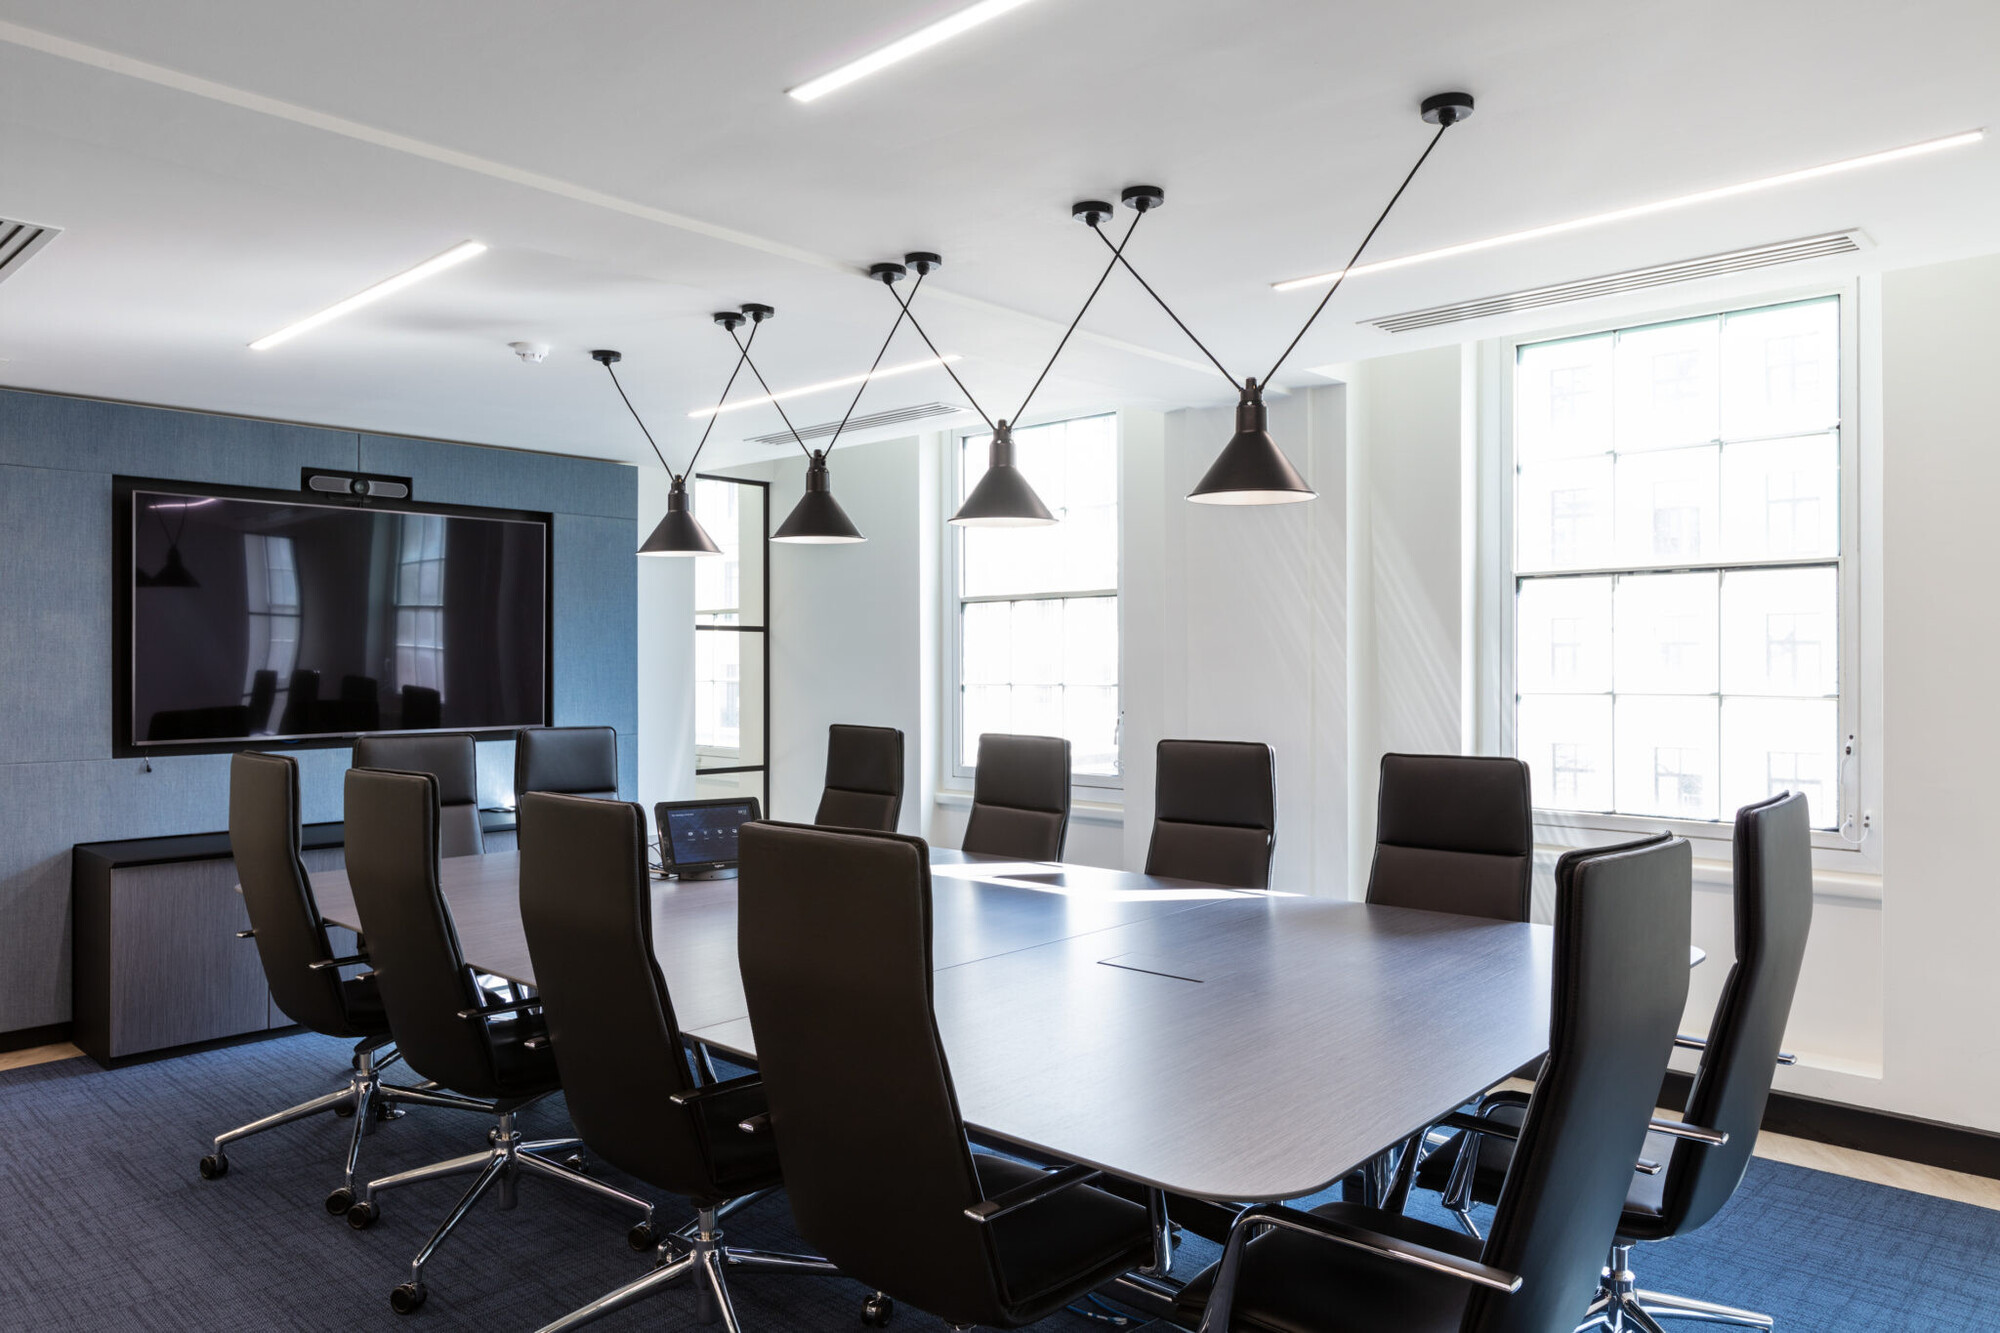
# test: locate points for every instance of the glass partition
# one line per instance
(732, 696)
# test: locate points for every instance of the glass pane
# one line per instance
(1667, 385)
(1781, 370)
(1778, 745)
(1073, 466)
(724, 786)
(1562, 517)
(1565, 740)
(1781, 499)
(1563, 399)
(1665, 631)
(732, 513)
(1562, 636)
(1090, 642)
(987, 645)
(717, 692)
(1669, 509)
(985, 708)
(1090, 721)
(1666, 757)
(1780, 632)
(1038, 643)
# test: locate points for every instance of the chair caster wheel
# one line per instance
(385, 1112)
(345, 1110)
(407, 1298)
(641, 1238)
(877, 1310)
(338, 1202)
(361, 1216)
(214, 1165)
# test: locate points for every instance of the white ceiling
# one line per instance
(223, 168)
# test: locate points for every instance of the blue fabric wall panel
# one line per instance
(504, 478)
(55, 621)
(84, 435)
(596, 623)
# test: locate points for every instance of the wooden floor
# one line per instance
(1913, 1176)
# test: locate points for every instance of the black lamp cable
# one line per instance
(635, 416)
(1119, 258)
(730, 384)
(1421, 159)
(767, 388)
(1117, 254)
(939, 355)
(880, 352)
(705, 430)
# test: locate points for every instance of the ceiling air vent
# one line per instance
(19, 241)
(1631, 280)
(895, 416)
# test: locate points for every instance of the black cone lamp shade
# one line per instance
(1003, 498)
(817, 519)
(679, 533)
(173, 574)
(1251, 469)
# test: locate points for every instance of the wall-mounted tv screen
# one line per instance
(254, 616)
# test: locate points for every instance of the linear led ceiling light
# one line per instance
(923, 39)
(458, 254)
(1642, 210)
(845, 381)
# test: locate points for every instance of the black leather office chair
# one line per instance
(484, 1056)
(1020, 798)
(864, 778)
(834, 938)
(586, 905)
(1215, 812)
(299, 963)
(576, 761)
(1454, 833)
(454, 762)
(1621, 978)
(1681, 1188)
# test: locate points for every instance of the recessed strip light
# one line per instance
(458, 254)
(1646, 209)
(849, 381)
(923, 39)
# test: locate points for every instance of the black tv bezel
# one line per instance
(124, 746)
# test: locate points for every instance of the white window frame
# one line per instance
(959, 775)
(1859, 564)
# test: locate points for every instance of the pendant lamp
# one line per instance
(1003, 498)
(817, 519)
(679, 532)
(1252, 469)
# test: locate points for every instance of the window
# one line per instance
(1037, 640)
(730, 663)
(420, 603)
(1678, 564)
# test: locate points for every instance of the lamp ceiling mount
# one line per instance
(887, 272)
(758, 312)
(1090, 212)
(1447, 109)
(604, 356)
(731, 320)
(1140, 198)
(924, 261)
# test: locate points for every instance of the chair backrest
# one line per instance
(1774, 905)
(454, 762)
(1214, 812)
(1621, 978)
(864, 778)
(575, 761)
(264, 839)
(301, 704)
(1454, 833)
(1020, 798)
(392, 867)
(587, 910)
(834, 940)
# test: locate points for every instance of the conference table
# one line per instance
(1216, 1043)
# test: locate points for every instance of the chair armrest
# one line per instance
(1688, 1043)
(1649, 1167)
(710, 1091)
(756, 1124)
(249, 934)
(1676, 1129)
(352, 960)
(1479, 1124)
(1013, 1200)
(735, 1104)
(500, 1010)
(1215, 1318)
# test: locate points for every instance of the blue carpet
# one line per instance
(108, 1226)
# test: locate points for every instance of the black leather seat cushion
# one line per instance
(1645, 1202)
(522, 1070)
(1291, 1283)
(364, 1006)
(1051, 1245)
(1645, 1216)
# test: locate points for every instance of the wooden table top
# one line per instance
(1222, 1044)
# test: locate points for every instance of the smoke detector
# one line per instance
(532, 353)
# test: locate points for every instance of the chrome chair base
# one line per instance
(366, 1098)
(696, 1251)
(1621, 1307)
(507, 1157)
